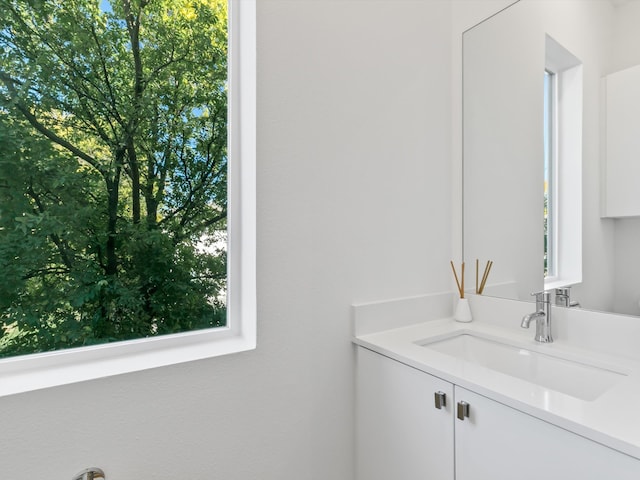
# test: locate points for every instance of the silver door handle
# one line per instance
(440, 399)
(463, 410)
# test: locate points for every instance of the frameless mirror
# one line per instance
(535, 151)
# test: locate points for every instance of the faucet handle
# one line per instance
(543, 296)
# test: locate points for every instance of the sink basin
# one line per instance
(580, 380)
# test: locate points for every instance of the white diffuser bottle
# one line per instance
(463, 311)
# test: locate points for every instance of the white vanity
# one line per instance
(445, 400)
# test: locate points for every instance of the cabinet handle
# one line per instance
(440, 399)
(463, 410)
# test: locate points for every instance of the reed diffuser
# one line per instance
(463, 312)
(485, 276)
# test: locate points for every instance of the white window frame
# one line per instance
(551, 103)
(567, 215)
(43, 370)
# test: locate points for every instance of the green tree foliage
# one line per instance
(112, 170)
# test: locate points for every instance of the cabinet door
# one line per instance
(497, 442)
(401, 435)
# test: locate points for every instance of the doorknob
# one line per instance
(440, 399)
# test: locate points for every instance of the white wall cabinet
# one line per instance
(402, 435)
(622, 135)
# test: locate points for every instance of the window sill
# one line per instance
(44, 370)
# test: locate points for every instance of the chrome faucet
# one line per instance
(563, 298)
(542, 316)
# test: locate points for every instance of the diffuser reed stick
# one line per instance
(485, 276)
(458, 283)
(477, 269)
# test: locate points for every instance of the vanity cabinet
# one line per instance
(498, 442)
(402, 435)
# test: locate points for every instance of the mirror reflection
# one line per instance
(551, 100)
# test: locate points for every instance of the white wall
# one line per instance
(353, 205)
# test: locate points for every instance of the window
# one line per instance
(550, 163)
(90, 112)
(562, 126)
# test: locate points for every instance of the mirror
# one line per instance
(506, 139)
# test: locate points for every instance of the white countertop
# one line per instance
(612, 419)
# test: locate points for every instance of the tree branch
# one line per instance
(45, 271)
(35, 123)
(107, 81)
(58, 242)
